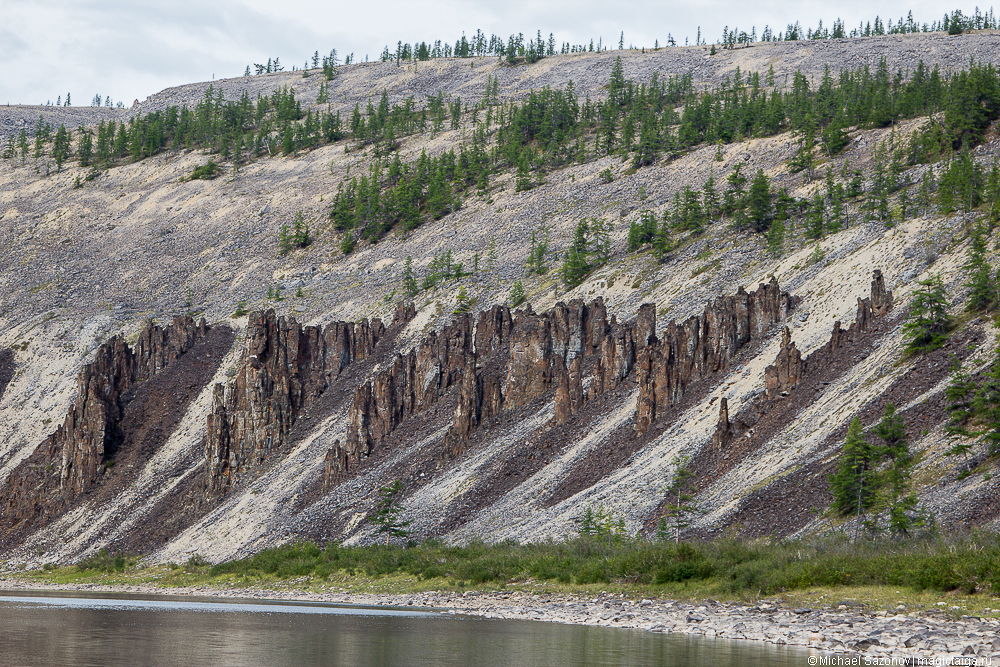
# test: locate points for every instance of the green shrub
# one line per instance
(105, 561)
(205, 172)
(970, 564)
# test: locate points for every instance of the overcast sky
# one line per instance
(129, 49)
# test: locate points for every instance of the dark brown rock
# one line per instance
(787, 370)
(569, 389)
(790, 368)
(704, 344)
(616, 361)
(284, 367)
(73, 458)
(881, 297)
(645, 325)
(724, 432)
(539, 349)
(335, 466)
(405, 311)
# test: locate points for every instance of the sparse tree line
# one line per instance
(953, 23)
(519, 48)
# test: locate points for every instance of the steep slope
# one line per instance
(501, 423)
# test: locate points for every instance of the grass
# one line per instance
(915, 573)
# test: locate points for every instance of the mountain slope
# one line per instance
(501, 425)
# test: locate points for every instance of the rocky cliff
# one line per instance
(284, 368)
(76, 456)
(704, 344)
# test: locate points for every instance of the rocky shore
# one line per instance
(934, 637)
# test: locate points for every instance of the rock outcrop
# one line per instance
(284, 367)
(529, 354)
(73, 458)
(724, 431)
(789, 368)
(704, 344)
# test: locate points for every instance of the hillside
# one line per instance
(139, 413)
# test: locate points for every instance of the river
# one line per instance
(81, 630)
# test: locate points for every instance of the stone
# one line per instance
(73, 458)
(724, 432)
(284, 367)
(787, 369)
(704, 344)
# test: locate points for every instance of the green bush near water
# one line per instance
(105, 561)
(969, 564)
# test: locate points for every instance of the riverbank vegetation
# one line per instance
(721, 569)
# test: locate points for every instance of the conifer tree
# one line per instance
(387, 510)
(962, 399)
(679, 506)
(491, 254)
(987, 406)
(981, 279)
(815, 226)
(928, 319)
(536, 252)
(734, 199)
(710, 198)
(894, 481)
(409, 280)
(852, 485)
(576, 264)
(759, 209)
(991, 195)
(516, 297)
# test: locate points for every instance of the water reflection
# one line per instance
(111, 630)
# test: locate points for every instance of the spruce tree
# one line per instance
(386, 516)
(516, 297)
(894, 480)
(409, 280)
(815, 226)
(928, 320)
(537, 250)
(981, 280)
(710, 198)
(679, 507)
(960, 397)
(760, 212)
(576, 264)
(852, 485)
(987, 406)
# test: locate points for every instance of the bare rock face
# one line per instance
(881, 299)
(73, 458)
(789, 367)
(334, 465)
(543, 351)
(704, 344)
(724, 432)
(569, 389)
(405, 311)
(538, 342)
(284, 367)
(645, 325)
(492, 328)
(618, 354)
(412, 383)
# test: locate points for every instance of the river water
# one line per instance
(108, 630)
